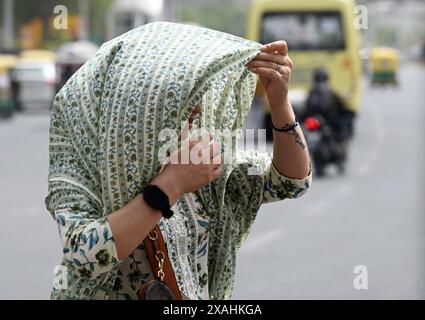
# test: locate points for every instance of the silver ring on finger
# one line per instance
(278, 67)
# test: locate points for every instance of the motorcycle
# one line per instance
(324, 148)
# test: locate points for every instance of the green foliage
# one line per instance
(25, 11)
(386, 35)
(220, 16)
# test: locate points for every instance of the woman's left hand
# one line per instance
(273, 66)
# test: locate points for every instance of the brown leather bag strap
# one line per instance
(154, 245)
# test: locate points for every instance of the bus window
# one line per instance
(304, 30)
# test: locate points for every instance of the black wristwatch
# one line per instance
(157, 199)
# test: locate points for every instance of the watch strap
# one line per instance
(165, 209)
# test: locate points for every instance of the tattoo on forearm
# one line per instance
(298, 139)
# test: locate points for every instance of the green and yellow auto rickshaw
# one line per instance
(384, 64)
(7, 106)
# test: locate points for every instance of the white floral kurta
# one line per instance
(134, 271)
(104, 145)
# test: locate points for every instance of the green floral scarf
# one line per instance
(110, 114)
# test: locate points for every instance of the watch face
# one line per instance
(155, 197)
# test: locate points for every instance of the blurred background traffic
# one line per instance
(357, 87)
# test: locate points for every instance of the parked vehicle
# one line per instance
(7, 105)
(34, 76)
(70, 57)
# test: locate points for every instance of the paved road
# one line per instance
(29, 243)
(297, 249)
(373, 216)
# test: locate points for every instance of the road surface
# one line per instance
(304, 248)
(372, 217)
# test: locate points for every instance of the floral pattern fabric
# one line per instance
(104, 146)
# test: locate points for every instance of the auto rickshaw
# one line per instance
(37, 55)
(7, 106)
(384, 63)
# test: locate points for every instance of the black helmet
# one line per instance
(320, 75)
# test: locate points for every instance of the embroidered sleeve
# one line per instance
(88, 244)
(74, 202)
(279, 187)
(253, 181)
(255, 173)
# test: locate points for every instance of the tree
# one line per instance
(25, 11)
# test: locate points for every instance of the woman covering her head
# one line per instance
(109, 126)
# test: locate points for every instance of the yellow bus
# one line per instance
(320, 34)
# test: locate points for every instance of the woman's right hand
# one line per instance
(194, 165)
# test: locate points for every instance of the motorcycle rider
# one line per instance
(322, 101)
